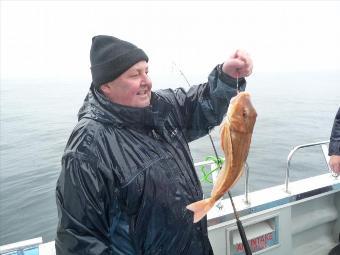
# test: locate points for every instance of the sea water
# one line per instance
(37, 118)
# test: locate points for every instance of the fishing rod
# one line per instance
(238, 221)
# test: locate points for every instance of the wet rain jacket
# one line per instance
(127, 173)
(334, 145)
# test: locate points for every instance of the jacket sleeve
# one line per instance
(203, 106)
(83, 208)
(334, 144)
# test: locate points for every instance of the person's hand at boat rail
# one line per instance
(334, 163)
(238, 65)
(334, 145)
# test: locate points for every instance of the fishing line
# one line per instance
(238, 222)
(237, 87)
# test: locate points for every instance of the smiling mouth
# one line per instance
(143, 92)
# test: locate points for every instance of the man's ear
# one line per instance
(105, 88)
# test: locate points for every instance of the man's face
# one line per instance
(131, 88)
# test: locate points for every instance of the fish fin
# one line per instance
(229, 145)
(219, 181)
(223, 184)
(226, 141)
(200, 208)
(222, 136)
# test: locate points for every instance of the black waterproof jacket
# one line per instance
(334, 145)
(127, 173)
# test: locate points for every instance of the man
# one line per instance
(334, 145)
(127, 173)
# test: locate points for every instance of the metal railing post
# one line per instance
(290, 155)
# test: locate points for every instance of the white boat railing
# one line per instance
(215, 174)
(20, 247)
(324, 148)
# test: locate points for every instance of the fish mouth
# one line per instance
(240, 96)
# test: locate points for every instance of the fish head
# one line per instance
(241, 113)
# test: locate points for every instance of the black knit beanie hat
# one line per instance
(110, 57)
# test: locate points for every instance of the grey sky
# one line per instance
(49, 39)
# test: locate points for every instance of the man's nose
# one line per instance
(146, 79)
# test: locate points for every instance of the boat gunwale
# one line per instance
(273, 198)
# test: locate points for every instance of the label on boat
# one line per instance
(256, 244)
(26, 247)
(261, 236)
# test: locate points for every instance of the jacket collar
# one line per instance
(97, 107)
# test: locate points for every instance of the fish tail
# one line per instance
(200, 208)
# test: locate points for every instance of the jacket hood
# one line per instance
(97, 107)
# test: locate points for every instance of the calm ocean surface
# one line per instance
(37, 118)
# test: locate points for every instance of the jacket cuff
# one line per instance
(230, 81)
(223, 85)
(334, 148)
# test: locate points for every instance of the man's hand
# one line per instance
(334, 163)
(238, 65)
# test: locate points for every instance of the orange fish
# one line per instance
(236, 132)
